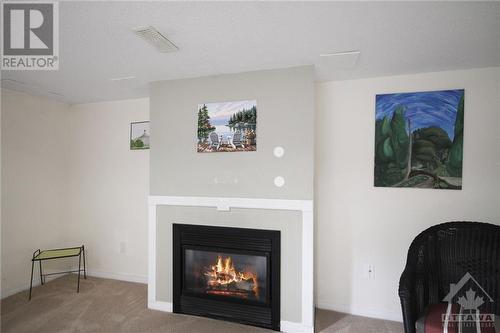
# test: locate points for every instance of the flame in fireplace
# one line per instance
(223, 278)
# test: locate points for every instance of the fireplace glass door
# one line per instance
(242, 276)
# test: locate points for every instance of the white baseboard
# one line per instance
(291, 327)
(161, 306)
(26, 286)
(364, 312)
(118, 276)
(95, 273)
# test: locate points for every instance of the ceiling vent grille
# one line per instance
(155, 38)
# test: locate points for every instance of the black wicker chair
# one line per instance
(441, 255)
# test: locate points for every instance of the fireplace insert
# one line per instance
(227, 273)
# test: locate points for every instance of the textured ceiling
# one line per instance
(96, 43)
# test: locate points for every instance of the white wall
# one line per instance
(359, 224)
(69, 178)
(34, 178)
(108, 188)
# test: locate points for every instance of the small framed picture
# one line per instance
(139, 135)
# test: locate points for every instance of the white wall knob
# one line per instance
(279, 181)
(279, 152)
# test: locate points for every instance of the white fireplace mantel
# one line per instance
(225, 204)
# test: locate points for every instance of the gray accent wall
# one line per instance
(288, 222)
(285, 117)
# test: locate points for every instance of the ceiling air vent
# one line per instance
(155, 38)
(340, 60)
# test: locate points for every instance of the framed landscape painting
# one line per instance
(227, 127)
(139, 135)
(419, 139)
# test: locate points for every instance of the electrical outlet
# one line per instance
(369, 271)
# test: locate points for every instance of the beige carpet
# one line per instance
(110, 306)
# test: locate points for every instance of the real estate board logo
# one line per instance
(30, 35)
(469, 305)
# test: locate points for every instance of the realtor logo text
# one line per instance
(30, 36)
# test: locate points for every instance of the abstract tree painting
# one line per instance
(419, 139)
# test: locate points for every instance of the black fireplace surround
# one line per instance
(231, 274)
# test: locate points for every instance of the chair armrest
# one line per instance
(408, 299)
(407, 283)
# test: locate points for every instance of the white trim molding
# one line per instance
(379, 313)
(291, 327)
(26, 286)
(224, 204)
(161, 306)
(93, 273)
(118, 276)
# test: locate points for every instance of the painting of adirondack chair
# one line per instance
(214, 141)
(227, 127)
(237, 140)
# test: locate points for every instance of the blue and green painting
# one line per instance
(419, 139)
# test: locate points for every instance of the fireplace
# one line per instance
(227, 273)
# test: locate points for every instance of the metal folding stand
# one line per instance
(58, 254)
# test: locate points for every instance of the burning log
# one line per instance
(223, 279)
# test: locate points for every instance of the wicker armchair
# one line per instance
(441, 255)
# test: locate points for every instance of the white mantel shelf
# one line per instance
(225, 204)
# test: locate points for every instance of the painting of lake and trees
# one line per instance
(227, 126)
(419, 139)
